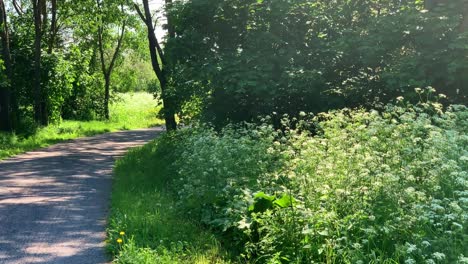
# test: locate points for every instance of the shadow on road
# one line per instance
(54, 201)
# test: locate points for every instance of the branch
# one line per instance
(18, 8)
(137, 8)
(144, 18)
(119, 45)
(43, 12)
(53, 27)
(160, 51)
(101, 51)
(100, 44)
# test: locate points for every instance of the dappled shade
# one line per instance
(54, 201)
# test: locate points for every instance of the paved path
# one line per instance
(54, 201)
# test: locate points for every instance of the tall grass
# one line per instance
(154, 229)
(129, 111)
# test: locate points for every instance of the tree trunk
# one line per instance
(170, 24)
(169, 116)
(5, 91)
(160, 71)
(106, 96)
(5, 120)
(171, 33)
(40, 109)
(53, 27)
(107, 71)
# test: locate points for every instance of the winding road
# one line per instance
(54, 202)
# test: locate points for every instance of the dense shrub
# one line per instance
(85, 100)
(363, 187)
(247, 58)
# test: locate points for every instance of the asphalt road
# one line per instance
(54, 202)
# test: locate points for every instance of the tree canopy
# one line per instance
(225, 61)
(59, 59)
(241, 59)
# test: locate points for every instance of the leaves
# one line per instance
(291, 56)
(285, 201)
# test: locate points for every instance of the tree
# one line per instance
(246, 58)
(5, 89)
(40, 17)
(107, 70)
(53, 32)
(159, 63)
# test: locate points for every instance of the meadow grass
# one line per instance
(143, 208)
(128, 111)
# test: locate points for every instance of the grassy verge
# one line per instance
(146, 225)
(130, 111)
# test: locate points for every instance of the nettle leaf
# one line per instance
(285, 201)
(262, 195)
(262, 202)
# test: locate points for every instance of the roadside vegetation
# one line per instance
(346, 186)
(146, 218)
(314, 132)
(311, 130)
(128, 111)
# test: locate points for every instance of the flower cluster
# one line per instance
(355, 187)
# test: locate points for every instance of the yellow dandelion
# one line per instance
(119, 240)
(122, 233)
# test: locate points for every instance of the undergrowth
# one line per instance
(146, 226)
(348, 186)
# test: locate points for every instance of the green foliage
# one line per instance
(131, 111)
(250, 58)
(72, 85)
(134, 71)
(362, 187)
(85, 100)
(134, 74)
(59, 79)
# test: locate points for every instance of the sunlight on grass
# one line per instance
(129, 111)
(155, 232)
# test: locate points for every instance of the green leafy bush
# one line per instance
(244, 58)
